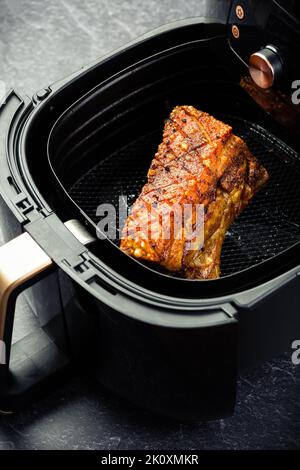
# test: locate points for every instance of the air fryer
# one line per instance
(171, 345)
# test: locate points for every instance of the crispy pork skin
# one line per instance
(200, 163)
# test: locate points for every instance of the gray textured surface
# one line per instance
(39, 43)
(43, 41)
(82, 415)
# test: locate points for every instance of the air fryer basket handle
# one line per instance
(22, 262)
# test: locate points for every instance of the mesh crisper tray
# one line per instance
(268, 226)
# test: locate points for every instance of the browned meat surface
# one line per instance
(199, 162)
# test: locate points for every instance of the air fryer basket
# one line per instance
(269, 225)
(108, 138)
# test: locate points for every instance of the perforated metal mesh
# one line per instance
(268, 226)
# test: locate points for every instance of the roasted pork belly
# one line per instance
(199, 164)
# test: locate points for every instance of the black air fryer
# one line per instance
(171, 345)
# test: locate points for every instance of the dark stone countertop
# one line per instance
(39, 43)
